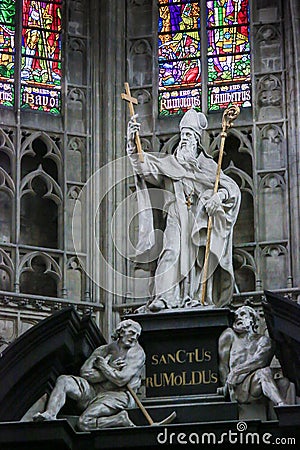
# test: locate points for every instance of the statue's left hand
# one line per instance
(212, 204)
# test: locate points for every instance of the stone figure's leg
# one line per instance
(98, 415)
(66, 385)
(167, 277)
(263, 381)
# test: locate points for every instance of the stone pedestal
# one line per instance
(181, 349)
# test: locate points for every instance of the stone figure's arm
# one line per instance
(89, 371)
(225, 343)
(145, 169)
(260, 359)
(133, 364)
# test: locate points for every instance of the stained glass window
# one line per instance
(226, 54)
(7, 51)
(179, 56)
(41, 56)
(37, 51)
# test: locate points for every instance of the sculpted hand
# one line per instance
(100, 361)
(118, 363)
(132, 128)
(212, 204)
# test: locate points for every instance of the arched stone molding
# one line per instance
(7, 266)
(244, 147)
(244, 230)
(53, 190)
(53, 151)
(6, 183)
(52, 271)
(170, 145)
(7, 146)
(245, 270)
(272, 181)
(7, 206)
(52, 268)
(246, 182)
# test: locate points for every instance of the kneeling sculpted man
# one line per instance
(101, 389)
(245, 357)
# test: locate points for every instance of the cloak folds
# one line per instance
(167, 173)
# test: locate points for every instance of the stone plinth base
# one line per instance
(182, 351)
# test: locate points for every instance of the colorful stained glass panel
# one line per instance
(220, 97)
(185, 46)
(6, 94)
(228, 53)
(40, 99)
(7, 50)
(228, 40)
(179, 56)
(178, 102)
(7, 39)
(229, 68)
(41, 55)
(178, 74)
(7, 66)
(37, 14)
(176, 18)
(227, 12)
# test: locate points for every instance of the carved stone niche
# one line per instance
(272, 147)
(76, 103)
(144, 109)
(74, 219)
(265, 11)
(274, 265)
(140, 63)
(40, 274)
(268, 57)
(269, 97)
(77, 22)
(272, 209)
(139, 17)
(75, 158)
(74, 279)
(77, 64)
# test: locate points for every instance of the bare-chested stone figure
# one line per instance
(245, 357)
(101, 389)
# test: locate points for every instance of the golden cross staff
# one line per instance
(132, 100)
(229, 115)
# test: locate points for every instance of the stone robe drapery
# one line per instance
(188, 226)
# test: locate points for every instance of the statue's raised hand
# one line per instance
(132, 128)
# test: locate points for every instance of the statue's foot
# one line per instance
(124, 419)
(141, 310)
(41, 417)
(156, 305)
(189, 303)
(281, 404)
